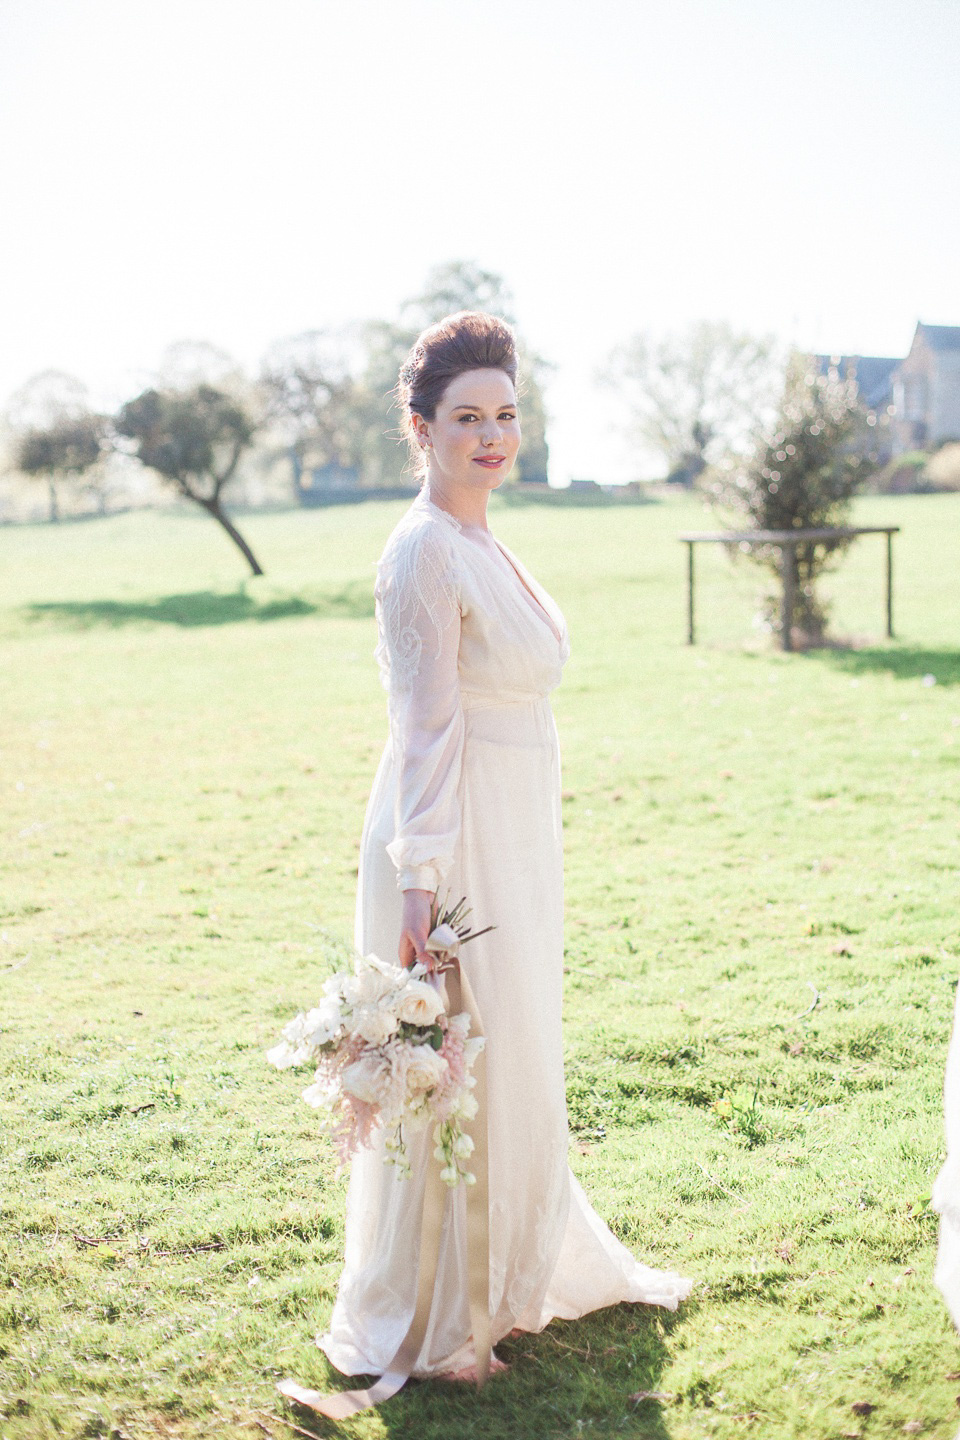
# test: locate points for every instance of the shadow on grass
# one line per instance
(204, 607)
(574, 1376)
(902, 662)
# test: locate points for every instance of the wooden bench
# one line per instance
(786, 541)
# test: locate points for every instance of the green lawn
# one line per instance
(763, 946)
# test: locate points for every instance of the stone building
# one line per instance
(926, 391)
(915, 401)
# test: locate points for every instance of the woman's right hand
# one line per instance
(415, 927)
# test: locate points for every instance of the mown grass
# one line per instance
(762, 951)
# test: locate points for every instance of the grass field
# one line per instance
(762, 952)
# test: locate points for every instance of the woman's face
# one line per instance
(474, 439)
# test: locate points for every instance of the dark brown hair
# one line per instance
(468, 340)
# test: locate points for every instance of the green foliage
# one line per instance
(803, 478)
(183, 436)
(178, 877)
(193, 438)
(56, 435)
(67, 447)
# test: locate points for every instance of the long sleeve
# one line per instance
(418, 614)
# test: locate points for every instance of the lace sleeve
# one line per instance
(418, 618)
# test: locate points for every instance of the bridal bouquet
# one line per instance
(386, 1054)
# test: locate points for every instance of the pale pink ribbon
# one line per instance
(340, 1406)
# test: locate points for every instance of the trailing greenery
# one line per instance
(762, 949)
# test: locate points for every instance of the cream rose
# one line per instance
(420, 1003)
(425, 1069)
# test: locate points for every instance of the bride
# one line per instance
(466, 800)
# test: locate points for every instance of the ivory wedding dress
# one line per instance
(467, 799)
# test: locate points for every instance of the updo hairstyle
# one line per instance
(468, 340)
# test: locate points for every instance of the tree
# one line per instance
(315, 395)
(457, 285)
(56, 435)
(452, 286)
(804, 477)
(696, 395)
(194, 438)
(533, 461)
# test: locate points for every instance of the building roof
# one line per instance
(940, 337)
(871, 372)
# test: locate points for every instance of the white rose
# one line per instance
(365, 1078)
(420, 1004)
(425, 1068)
(374, 1025)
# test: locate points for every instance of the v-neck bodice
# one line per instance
(511, 639)
(523, 584)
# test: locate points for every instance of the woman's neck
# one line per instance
(468, 507)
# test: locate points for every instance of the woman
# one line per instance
(467, 800)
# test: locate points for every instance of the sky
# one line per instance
(239, 171)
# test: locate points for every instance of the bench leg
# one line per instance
(788, 567)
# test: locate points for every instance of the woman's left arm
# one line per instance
(420, 611)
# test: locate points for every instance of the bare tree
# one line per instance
(56, 435)
(193, 438)
(315, 395)
(457, 285)
(697, 395)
